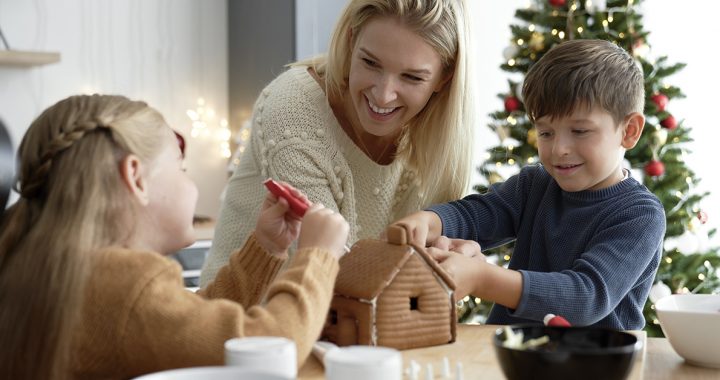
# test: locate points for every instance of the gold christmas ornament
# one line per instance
(494, 178)
(537, 41)
(532, 137)
(659, 137)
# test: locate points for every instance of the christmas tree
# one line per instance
(688, 263)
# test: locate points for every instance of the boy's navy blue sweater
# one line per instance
(590, 256)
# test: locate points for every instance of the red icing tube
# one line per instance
(296, 205)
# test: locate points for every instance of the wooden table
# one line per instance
(474, 349)
(662, 362)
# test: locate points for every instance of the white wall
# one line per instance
(166, 52)
(314, 23)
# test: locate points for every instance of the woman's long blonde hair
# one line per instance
(72, 204)
(437, 143)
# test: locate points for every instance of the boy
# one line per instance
(588, 237)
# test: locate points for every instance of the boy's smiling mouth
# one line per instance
(566, 168)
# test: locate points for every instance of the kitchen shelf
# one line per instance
(27, 58)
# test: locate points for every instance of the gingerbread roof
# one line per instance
(372, 265)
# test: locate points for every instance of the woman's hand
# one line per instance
(324, 229)
(277, 226)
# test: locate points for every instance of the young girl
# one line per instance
(84, 288)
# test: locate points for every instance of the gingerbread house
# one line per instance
(392, 294)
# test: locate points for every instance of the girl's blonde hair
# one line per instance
(72, 204)
(437, 142)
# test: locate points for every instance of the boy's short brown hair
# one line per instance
(584, 73)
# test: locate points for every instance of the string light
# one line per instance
(531, 160)
(580, 29)
(520, 41)
(701, 277)
(506, 257)
(531, 27)
(511, 62)
(561, 34)
(554, 32)
(668, 260)
(204, 126)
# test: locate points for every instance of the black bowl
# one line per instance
(572, 353)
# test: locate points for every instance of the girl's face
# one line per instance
(172, 199)
(393, 73)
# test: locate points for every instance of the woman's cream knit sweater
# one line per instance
(297, 139)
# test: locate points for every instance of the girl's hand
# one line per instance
(325, 229)
(277, 226)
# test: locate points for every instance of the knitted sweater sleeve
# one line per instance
(295, 138)
(246, 277)
(623, 253)
(492, 218)
(169, 327)
(290, 142)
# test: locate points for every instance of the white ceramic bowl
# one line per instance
(210, 373)
(363, 362)
(691, 322)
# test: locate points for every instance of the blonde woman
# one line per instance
(379, 127)
(85, 291)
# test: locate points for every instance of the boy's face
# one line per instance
(582, 151)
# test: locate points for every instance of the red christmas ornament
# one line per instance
(702, 217)
(669, 122)
(512, 104)
(654, 168)
(660, 101)
(557, 3)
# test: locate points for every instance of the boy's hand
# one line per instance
(277, 227)
(422, 227)
(325, 229)
(468, 248)
(465, 270)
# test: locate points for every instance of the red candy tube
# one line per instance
(296, 205)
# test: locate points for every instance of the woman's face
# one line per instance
(393, 73)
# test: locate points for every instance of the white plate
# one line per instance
(210, 373)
